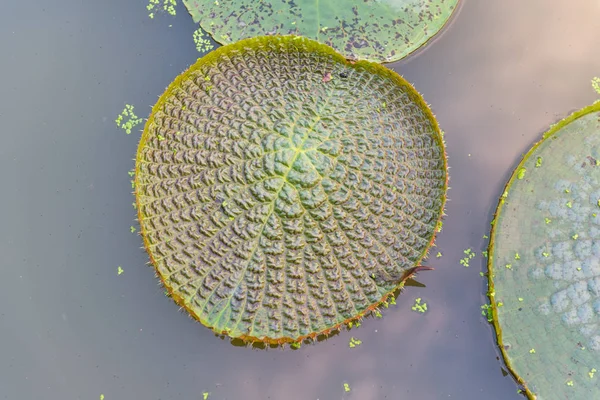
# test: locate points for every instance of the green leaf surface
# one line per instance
(293, 203)
(375, 30)
(548, 326)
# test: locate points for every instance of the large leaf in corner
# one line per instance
(544, 263)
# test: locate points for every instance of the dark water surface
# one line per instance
(71, 328)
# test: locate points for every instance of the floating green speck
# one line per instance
(596, 84)
(419, 306)
(203, 44)
(127, 120)
(167, 6)
(469, 255)
(486, 311)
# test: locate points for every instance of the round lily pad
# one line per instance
(283, 191)
(544, 263)
(375, 30)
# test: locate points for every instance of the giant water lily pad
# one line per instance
(545, 263)
(376, 30)
(283, 191)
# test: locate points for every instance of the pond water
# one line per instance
(72, 328)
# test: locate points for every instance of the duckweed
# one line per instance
(203, 44)
(469, 255)
(154, 6)
(419, 306)
(127, 120)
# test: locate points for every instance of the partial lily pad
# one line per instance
(544, 263)
(283, 191)
(375, 30)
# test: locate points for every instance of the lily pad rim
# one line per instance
(372, 67)
(555, 128)
(412, 52)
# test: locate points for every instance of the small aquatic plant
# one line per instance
(469, 255)
(419, 306)
(354, 343)
(127, 120)
(596, 84)
(155, 6)
(203, 44)
(278, 198)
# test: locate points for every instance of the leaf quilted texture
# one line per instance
(283, 191)
(545, 263)
(375, 30)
